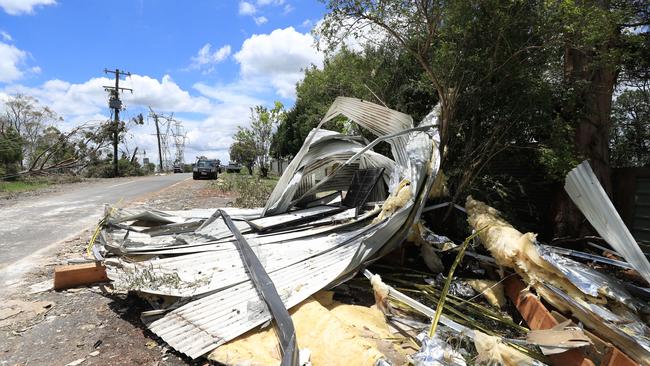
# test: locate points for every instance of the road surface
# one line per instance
(33, 224)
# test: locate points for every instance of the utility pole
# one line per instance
(115, 104)
(155, 118)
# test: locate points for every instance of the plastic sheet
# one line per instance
(436, 352)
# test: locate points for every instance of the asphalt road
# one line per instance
(33, 224)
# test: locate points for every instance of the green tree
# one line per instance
(11, 152)
(242, 150)
(29, 119)
(630, 138)
(262, 123)
(383, 74)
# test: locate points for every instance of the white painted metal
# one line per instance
(590, 197)
(220, 302)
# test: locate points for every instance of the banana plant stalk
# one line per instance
(445, 289)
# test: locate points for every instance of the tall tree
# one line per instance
(465, 48)
(599, 40)
(383, 74)
(262, 123)
(630, 137)
(242, 150)
(11, 152)
(436, 33)
(29, 119)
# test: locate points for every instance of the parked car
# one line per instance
(205, 168)
(233, 168)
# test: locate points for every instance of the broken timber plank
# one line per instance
(538, 317)
(614, 357)
(79, 274)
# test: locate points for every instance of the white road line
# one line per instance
(121, 184)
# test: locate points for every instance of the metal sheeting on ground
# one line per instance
(590, 197)
(203, 269)
(267, 290)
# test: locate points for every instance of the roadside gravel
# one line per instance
(89, 325)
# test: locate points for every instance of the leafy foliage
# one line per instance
(242, 151)
(630, 138)
(251, 191)
(11, 152)
(384, 75)
(254, 143)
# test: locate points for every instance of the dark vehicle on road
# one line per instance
(205, 168)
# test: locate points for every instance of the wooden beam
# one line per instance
(614, 357)
(79, 275)
(538, 317)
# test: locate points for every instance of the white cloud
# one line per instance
(288, 8)
(17, 7)
(260, 20)
(89, 97)
(268, 63)
(10, 60)
(206, 58)
(6, 36)
(210, 118)
(246, 8)
(267, 2)
(279, 58)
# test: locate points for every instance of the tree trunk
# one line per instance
(593, 115)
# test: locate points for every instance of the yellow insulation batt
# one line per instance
(491, 291)
(401, 195)
(513, 249)
(334, 333)
(491, 351)
(510, 248)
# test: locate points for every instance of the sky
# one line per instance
(208, 62)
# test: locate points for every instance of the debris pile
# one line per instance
(216, 278)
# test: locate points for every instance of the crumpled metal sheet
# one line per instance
(590, 197)
(588, 280)
(626, 331)
(204, 324)
(379, 120)
(300, 261)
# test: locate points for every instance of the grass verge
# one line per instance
(21, 186)
(251, 190)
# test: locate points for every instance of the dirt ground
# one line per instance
(89, 325)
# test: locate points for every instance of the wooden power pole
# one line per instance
(115, 104)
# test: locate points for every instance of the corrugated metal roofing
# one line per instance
(590, 197)
(218, 299)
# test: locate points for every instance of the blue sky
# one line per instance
(206, 61)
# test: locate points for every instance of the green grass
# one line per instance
(20, 186)
(251, 190)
